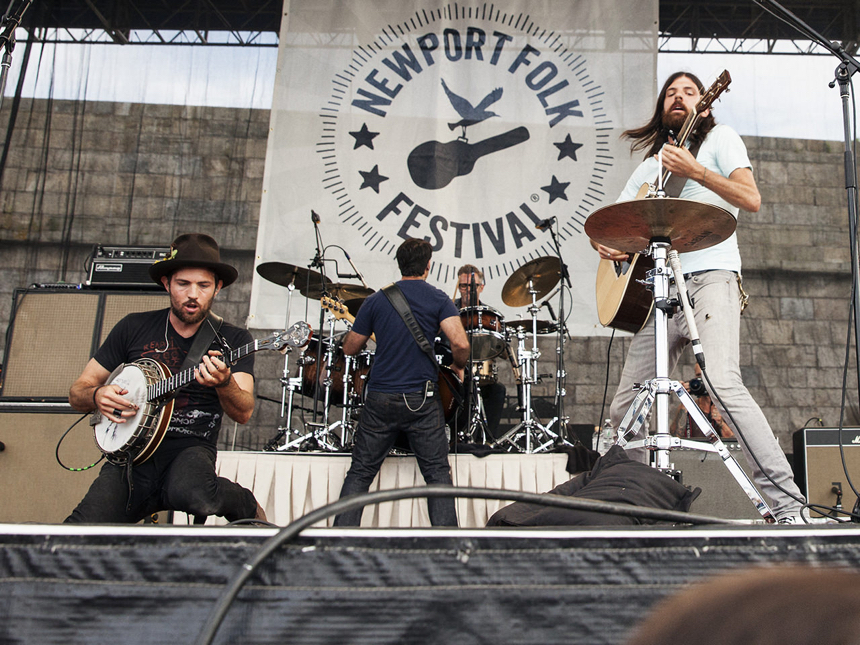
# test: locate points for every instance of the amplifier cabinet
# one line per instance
(818, 468)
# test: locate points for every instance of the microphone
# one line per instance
(548, 306)
(315, 218)
(545, 224)
(357, 272)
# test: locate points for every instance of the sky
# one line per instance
(770, 95)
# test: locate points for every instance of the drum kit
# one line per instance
(330, 386)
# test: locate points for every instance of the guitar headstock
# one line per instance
(298, 335)
(713, 92)
(336, 307)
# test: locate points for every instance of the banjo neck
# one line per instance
(162, 388)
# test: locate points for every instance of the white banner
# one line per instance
(466, 124)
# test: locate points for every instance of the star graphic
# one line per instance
(363, 137)
(372, 179)
(567, 148)
(556, 189)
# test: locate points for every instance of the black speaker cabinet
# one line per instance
(721, 495)
(818, 468)
(54, 333)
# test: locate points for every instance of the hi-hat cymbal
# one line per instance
(285, 274)
(688, 225)
(544, 274)
(338, 290)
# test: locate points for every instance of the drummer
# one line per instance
(470, 285)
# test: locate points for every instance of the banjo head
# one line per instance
(118, 439)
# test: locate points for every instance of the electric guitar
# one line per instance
(450, 386)
(151, 387)
(623, 300)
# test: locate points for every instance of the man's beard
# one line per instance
(674, 121)
(194, 318)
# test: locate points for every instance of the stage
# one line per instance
(373, 586)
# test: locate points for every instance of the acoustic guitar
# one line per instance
(623, 299)
(450, 386)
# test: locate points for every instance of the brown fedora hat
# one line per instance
(194, 250)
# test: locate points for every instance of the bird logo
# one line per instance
(471, 114)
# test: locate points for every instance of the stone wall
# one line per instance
(117, 173)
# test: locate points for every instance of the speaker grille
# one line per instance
(52, 339)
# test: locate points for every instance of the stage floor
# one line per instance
(140, 585)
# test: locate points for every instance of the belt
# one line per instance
(687, 276)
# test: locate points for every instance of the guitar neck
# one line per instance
(690, 123)
(182, 378)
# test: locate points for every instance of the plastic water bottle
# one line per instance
(607, 437)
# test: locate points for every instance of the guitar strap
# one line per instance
(401, 306)
(202, 341)
(675, 184)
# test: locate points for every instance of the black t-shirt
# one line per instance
(197, 411)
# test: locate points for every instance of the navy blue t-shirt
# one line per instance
(197, 412)
(399, 364)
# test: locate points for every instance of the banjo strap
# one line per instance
(203, 341)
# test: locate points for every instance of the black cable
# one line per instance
(606, 380)
(57, 450)
(292, 530)
(716, 394)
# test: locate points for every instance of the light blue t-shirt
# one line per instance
(723, 152)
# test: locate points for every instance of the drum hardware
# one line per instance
(664, 223)
(286, 275)
(535, 278)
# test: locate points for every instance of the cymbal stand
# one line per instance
(319, 434)
(345, 422)
(659, 388)
(288, 386)
(529, 429)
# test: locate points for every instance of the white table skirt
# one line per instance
(289, 485)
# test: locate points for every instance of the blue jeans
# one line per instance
(178, 477)
(716, 295)
(384, 416)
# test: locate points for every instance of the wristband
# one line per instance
(96, 391)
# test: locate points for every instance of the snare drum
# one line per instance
(486, 330)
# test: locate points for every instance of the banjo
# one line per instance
(151, 388)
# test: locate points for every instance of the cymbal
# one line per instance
(285, 274)
(689, 226)
(544, 274)
(337, 290)
(354, 304)
(543, 326)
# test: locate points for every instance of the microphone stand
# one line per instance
(846, 69)
(317, 263)
(7, 41)
(561, 373)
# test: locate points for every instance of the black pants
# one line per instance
(178, 477)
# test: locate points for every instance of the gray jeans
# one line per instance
(716, 296)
